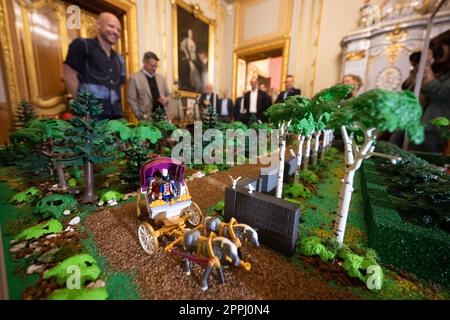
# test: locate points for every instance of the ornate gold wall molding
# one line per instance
(316, 47)
(11, 80)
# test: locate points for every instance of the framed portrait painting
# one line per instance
(193, 48)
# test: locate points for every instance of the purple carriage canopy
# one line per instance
(174, 167)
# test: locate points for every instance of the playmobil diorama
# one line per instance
(306, 206)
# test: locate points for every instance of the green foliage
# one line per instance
(72, 182)
(79, 294)
(312, 246)
(119, 127)
(328, 100)
(236, 126)
(209, 168)
(111, 195)
(423, 190)
(209, 118)
(296, 191)
(86, 105)
(385, 111)
(54, 205)
(309, 177)
(145, 131)
(441, 122)
(24, 114)
(26, 196)
(355, 265)
(443, 126)
(218, 207)
(37, 231)
(89, 270)
(165, 127)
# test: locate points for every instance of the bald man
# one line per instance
(93, 65)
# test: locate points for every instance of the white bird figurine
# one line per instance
(235, 181)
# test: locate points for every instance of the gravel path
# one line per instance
(161, 276)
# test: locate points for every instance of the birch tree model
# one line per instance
(323, 105)
(281, 116)
(376, 110)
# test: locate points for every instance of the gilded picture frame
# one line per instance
(193, 48)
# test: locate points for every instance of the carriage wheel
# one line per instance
(195, 214)
(148, 238)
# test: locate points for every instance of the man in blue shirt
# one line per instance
(92, 65)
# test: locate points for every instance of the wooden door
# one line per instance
(37, 43)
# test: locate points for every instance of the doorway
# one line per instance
(266, 62)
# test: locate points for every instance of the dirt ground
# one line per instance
(161, 276)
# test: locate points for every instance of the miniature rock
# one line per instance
(69, 229)
(51, 236)
(198, 175)
(101, 203)
(97, 284)
(74, 221)
(113, 203)
(49, 256)
(36, 268)
(34, 244)
(134, 194)
(66, 212)
(18, 247)
(126, 197)
(14, 241)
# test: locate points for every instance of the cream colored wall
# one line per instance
(318, 27)
(155, 34)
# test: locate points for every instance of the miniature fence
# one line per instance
(276, 220)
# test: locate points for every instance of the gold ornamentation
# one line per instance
(395, 38)
(8, 56)
(355, 55)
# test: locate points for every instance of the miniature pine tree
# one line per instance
(159, 115)
(209, 118)
(24, 114)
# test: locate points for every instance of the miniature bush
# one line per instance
(295, 191)
(111, 195)
(312, 246)
(356, 266)
(37, 231)
(54, 205)
(218, 207)
(209, 168)
(309, 177)
(79, 294)
(26, 196)
(89, 270)
(72, 182)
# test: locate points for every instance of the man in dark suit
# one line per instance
(225, 108)
(256, 102)
(290, 90)
(209, 98)
(239, 110)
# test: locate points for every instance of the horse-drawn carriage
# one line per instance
(170, 209)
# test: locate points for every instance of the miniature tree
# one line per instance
(45, 138)
(303, 126)
(135, 140)
(374, 110)
(24, 114)
(209, 118)
(322, 106)
(89, 139)
(281, 116)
